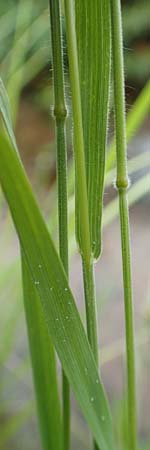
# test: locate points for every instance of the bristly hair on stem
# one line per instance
(122, 184)
(60, 113)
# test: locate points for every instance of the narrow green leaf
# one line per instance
(93, 36)
(41, 348)
(59, 309)
(43, 364)
(6, 115)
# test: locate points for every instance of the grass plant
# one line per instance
(53, 320)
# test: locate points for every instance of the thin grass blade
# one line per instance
(93, 37)
(41, 348)
(43, 365)
(59, 309)
(6, 115)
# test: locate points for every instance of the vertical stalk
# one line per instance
(60, 113)
(78, 131)
(122, 185)
(81, 184)
(90, 304)
(91, 312)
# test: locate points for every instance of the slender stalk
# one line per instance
(78, 131)
(91, 312)
(122, 185)
(60, 113)
(90, 303)
(81, 184)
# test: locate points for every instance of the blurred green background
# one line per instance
(26, 70)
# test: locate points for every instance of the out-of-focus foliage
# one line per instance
(137, 40)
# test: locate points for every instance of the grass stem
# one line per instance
(81, 186)
(81, 183)
(122, 185)
(60, 113)
(91, 312)
(90, 303)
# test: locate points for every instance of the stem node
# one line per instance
(60, 113)
(122, 184)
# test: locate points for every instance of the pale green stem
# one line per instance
(90, 303)
(122, 184)
(81, 184)
(91, 312)
(60, 113)
(78, 130)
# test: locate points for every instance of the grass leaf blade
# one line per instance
(60, 312)
(6, 115)
(41, 348)
(43, 364)
(93, 36)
